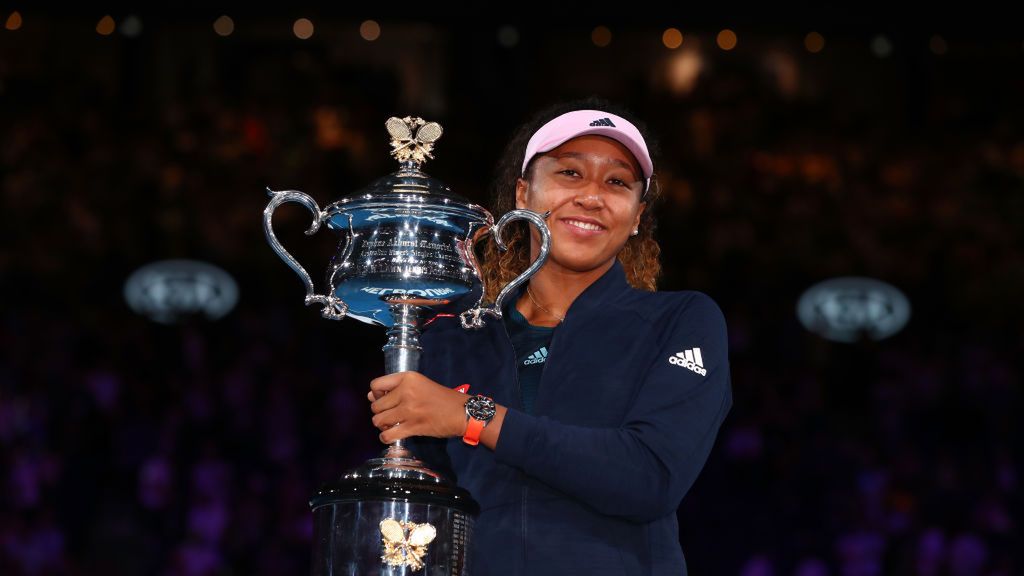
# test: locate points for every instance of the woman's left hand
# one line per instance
(420, 405)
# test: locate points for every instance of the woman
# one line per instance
(594, 404)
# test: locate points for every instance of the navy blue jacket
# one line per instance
(632, 395)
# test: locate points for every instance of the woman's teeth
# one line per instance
(584, 225)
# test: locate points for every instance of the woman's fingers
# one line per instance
(387, 382)
(387, 419)
(387, 406)
(386, 402)
(397, 432)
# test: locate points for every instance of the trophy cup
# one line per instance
(405, 256)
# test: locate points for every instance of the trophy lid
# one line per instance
(409, 184)
(412, 141)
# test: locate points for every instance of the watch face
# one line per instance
(480, 408)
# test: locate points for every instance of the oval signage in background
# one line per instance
(851, 307)
(170, 290)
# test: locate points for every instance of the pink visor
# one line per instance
(581, 122)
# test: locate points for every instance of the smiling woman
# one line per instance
(588, 435)
(545, 133)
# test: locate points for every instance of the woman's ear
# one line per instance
(521, 187)
(636, 221)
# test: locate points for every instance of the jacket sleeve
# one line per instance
(642, 469)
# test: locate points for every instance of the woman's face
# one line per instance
(592, 186)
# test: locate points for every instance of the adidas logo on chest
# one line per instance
(537, 357)
(689, 359)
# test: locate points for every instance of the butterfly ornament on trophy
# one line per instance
(405, 543)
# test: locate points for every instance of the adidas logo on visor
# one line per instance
(603, 122)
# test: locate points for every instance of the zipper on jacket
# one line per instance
(525, 547)
(547, 364)
(516, 393)
(517, 398)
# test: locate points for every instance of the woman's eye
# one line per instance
(618, 182)
(567, 170)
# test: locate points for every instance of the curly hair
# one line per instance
(639, 256)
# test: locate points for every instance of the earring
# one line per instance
(635, 232)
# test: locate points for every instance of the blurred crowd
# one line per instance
(128, 447)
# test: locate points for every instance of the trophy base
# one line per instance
(392, 516)
(390, 537)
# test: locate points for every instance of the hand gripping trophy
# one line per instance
(406, 254)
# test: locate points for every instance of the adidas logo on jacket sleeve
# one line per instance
(694, 352)
(690, 359)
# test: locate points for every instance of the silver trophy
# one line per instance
(406, 255)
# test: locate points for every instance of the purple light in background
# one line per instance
(967, 556)
(860, 553)
(931, 547)
(156, 481)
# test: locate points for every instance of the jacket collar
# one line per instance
(601, 293)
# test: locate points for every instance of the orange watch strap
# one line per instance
(473, 429)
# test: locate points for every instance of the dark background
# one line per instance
(130, 447)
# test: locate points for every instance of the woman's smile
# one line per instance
(582, 227)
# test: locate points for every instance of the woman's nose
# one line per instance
(588, 200)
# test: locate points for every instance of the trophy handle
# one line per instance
(334, 308)
(473, 318)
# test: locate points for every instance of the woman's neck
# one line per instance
(552, 290)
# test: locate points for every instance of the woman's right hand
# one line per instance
(422, 406)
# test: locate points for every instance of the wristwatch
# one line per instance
(479, 412)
